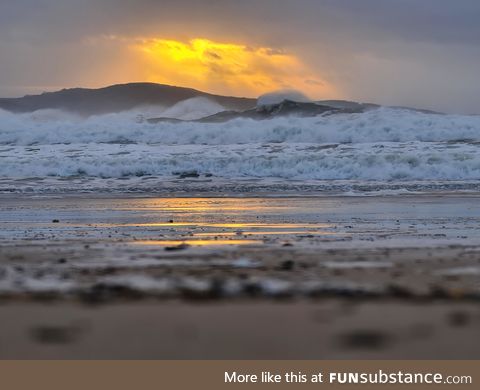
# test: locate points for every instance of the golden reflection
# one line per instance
(195, 242)
(260, 233)
(227, 225)
(201, 205)
(199, 220)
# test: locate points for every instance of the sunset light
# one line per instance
(187, 186)
(227, 67)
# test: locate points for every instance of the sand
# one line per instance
(322, 329)
(240, 278)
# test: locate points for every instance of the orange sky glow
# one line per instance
(225, 68)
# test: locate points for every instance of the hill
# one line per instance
(116, 98)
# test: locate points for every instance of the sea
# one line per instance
(380, 151)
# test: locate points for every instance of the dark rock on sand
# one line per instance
(177, 247)
(287, 265)
(56, 334)
(187, 174)
(364, 339)
(459, 318)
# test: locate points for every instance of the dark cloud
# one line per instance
(407, 52)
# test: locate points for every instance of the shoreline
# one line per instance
(178, 186)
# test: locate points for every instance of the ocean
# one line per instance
(384, 149)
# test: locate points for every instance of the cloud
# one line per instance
(221, 67)
(405, 52)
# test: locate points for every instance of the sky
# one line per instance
(421, 53)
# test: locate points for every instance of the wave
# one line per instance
(368, 161)
(380, 125)
(384, 145)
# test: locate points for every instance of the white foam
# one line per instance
(195, 108)
(381, 125)
(279, 96)
(367, 161)
(384, 145)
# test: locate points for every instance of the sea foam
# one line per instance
(381, 144)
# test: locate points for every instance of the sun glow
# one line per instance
(227, 67)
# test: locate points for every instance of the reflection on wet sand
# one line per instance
(212, 242)
(227, 225)
(258, 233)
(313, 221)
(206, 205)
(216, 234)
(366, 275)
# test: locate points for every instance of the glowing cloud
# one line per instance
(227, 67)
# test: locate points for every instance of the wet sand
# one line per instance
(240, 278)
(323, 329)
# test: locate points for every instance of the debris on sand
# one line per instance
(178, 247)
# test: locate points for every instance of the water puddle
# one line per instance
(177, 243)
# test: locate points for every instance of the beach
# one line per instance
(202, 195)
(322, 232)
(240, 277)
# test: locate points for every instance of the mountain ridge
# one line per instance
(122, 97)
(117, 98)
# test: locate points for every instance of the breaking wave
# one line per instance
(369, 161)
(384, 144)
(381, 125)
